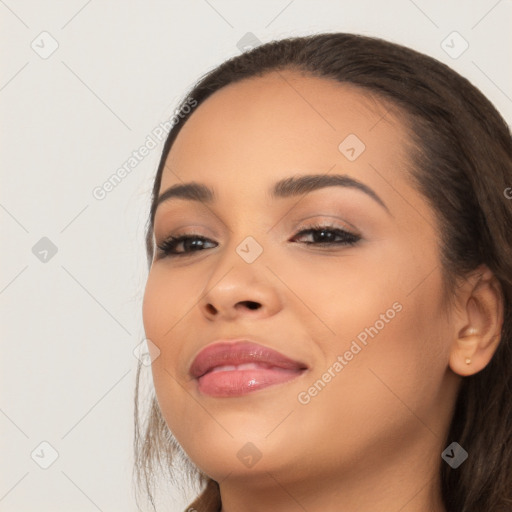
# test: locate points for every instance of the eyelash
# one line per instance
(167, 247)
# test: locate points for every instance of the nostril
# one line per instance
(250, 304)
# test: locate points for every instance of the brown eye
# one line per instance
(329, 235)
(189, 243)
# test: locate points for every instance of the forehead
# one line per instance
(281, 123)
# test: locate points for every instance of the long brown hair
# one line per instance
(461, 149)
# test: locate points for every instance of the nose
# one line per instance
(239, 289)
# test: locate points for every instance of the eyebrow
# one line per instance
(288, 187)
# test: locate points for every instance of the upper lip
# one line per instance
(240, 351)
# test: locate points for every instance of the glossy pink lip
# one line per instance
(215, 368)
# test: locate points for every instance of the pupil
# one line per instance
(323, 235)
(193, 243)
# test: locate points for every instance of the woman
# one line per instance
(330, 285)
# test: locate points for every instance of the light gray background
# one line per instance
(70, 324)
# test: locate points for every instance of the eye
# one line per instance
(326, 235)
(190, 243)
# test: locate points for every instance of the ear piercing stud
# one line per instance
(468, 360)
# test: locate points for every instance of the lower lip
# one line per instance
(242, 382)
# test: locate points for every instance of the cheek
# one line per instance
(152, 311)
(167, 300)
(161, 313)
(342, 296)
(403, 364)
(385, 327)
(378, 394)
(167, 310)
(157, 319)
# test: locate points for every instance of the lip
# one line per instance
(215, 370)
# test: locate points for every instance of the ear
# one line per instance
(478, 322)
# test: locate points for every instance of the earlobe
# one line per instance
(482, 319)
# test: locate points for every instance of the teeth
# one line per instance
(245, 366)
(223, 369)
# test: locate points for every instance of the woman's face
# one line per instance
(363, 315)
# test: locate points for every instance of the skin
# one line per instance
(372, 437)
